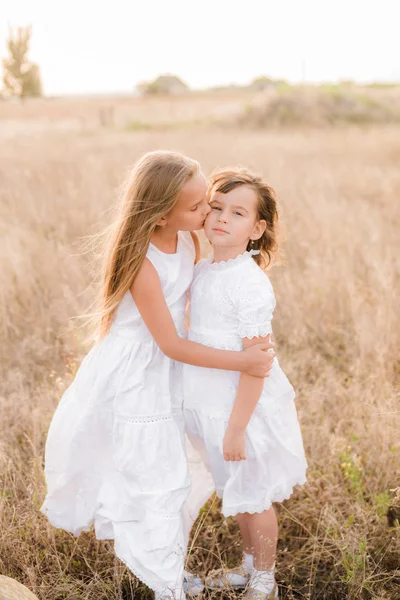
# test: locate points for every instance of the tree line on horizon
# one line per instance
(22, 78)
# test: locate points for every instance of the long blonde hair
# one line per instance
(150, 192)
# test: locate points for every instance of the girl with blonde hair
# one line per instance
(115, 453)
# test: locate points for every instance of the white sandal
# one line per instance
(253, 594)
(234, 579)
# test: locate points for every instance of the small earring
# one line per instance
(251, 243)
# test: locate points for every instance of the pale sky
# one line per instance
(85, 46)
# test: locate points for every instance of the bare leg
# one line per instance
(245, 532)
(263, 529)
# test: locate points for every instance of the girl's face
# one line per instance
(233, 220)
(192, 207)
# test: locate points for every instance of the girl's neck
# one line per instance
(165, 239)
(224, 253)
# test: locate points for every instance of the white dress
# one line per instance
(230, 301)
(115, 453)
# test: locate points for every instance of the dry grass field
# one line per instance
(336, 326)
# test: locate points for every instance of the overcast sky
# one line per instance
(85, 46)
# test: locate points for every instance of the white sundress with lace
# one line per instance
(115, 452)
(230, 301)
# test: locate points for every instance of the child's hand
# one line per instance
(234, 445)
(259, 359)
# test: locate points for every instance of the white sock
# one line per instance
(248, 562)
(263, 581)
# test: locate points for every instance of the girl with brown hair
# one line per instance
(246, 428)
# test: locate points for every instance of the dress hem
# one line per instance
(231, 511)
(77, 532)
(136, 574)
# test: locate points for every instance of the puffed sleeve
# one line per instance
(255, 304)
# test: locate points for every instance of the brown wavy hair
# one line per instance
(149, 193)
(227, 179)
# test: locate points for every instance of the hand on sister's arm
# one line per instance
(248, 394)
(148, 296)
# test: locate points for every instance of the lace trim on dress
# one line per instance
(278, 494)
(149, 418)
(252, 331)
(135, 573)
(232, 261)
(146, 581)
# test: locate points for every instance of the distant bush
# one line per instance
(164, 84)
(318, 107)
(383, 85)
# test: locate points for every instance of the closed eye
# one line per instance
(215, 208)
(195, 208)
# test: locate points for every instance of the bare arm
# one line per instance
(248, 394)
(148, 296)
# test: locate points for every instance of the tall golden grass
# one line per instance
(336, 327)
